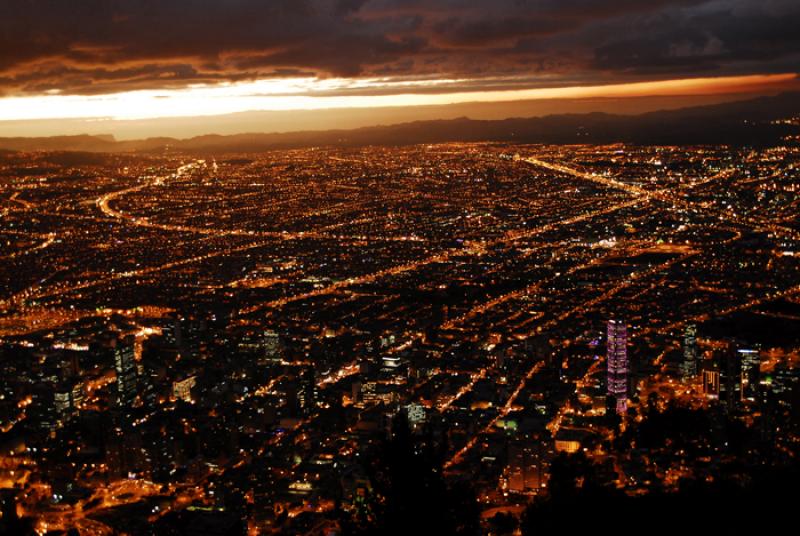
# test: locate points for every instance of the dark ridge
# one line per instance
(738, 123)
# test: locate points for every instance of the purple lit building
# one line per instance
(617, 361)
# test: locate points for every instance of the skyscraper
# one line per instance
(62, 404)
(730, 375)
(617, 362)
(751, 374)
(307, 391)
(125, 365)
(270, 347)
(711, 381)
(689, 364)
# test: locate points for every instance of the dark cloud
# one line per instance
(95, 46)
(734, 37)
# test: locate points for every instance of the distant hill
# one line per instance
(60, 143)
(737, 123)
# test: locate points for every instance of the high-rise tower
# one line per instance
(751, 374)
(125, 365)
(689, 364)
(617, 361)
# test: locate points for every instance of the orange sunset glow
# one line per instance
(138, 69)
(293, 94)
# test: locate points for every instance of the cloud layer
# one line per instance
(106, 46)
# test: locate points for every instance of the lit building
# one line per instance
(730, 369)
(416, 415)
(182, 389)
(307, 394)
(751, 374)
(569, 440)
(689, 364)
(263, 348)
(783, 380)
(373, 392)
(63, 405)
(172, 332)
(125, 365)
(617, 363)
(76, 396)
(527, 464)
(390, 363)
(270, 347)
(711, 382)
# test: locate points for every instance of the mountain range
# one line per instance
(760, 121)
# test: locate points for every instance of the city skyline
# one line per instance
(398, 267)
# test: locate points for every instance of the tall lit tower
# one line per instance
(125, 365)
(617, 361)
(689, 364)
(751, 374)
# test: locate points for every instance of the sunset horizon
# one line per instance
(130, 61)
(120, 113)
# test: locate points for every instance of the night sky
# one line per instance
(356, 48)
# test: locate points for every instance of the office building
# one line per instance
(617, 362)
(689, 363)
